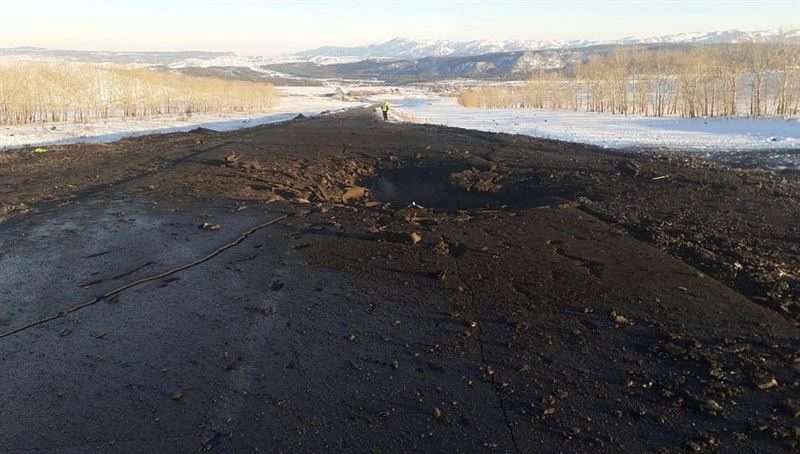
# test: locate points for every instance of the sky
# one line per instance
(276, 27)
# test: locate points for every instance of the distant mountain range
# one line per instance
(395, 49)
(405, 49)
(398, 59)
(123, 58)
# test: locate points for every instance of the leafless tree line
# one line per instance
(32, 92)
(750, 79)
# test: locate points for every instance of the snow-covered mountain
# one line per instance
(395, 49)
(403, 48)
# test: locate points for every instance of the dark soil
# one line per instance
(434, 289)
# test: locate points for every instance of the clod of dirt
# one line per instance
(437, 413)
(620, 320)
(415, 237)
(442, 248)
(274, 198)
(713, 407)
(210, 227)
(232, 159)
(476, 180)
(11, 208)
(628, 168)
(253, 165)
(177, 395)
(101, 335)
(793, 407)
(765, 383)
(354, 193)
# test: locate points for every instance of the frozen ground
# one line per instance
(306, 100)
(771, 142)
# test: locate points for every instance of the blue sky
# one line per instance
(270, 27)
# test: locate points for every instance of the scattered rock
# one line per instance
(177, 395)
(713, 407)
(765, 383)
(628, 168)
(693, 446)
(354, 193)
(415, 238)
(442, 248)
(232, 159)
(620, 320)
(210, 227)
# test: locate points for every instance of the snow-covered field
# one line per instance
(772, 143)
(723, 138)
(306, 100)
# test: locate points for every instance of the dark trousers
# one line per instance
(385, 115)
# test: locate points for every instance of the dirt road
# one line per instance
(421, 288)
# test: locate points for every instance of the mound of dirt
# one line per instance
(365, 286)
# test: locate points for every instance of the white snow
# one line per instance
(769, 142)
(309, 101)
(613, 131)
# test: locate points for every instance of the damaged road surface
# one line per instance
(339, 283)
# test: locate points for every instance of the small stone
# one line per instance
(619, 319)
(713, 407)
(177, 395)
(415, 238)
(767, 383)
(210, 227)
(437, 413)
(354, 193)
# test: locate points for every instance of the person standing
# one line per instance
(385, 110)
